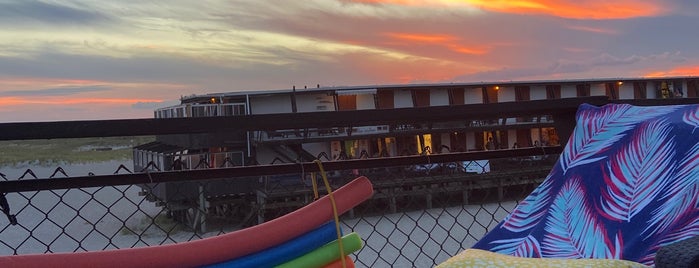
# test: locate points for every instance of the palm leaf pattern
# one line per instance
(680, 196)
(682, 232)
(692, 118)
(626, 183)
(528, 212)
(638, 172)
(527, 247)
(599, 128)
(572, 229)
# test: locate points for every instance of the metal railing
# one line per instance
(201, 110)
(155, 161)
(417, 218)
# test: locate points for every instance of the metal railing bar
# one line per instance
(261, 170)
(142, 127)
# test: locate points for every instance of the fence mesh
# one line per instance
(419, 215)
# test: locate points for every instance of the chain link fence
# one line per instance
(419, 216)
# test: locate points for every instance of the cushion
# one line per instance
(481, 258)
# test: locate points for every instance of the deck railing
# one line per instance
(418, 217)
(201, 110)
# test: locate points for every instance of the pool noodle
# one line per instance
(213, 249)
(285, 252)
(338, 263)
(325, 254)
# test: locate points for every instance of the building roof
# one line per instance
(348, 89)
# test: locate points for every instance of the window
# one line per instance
(553, 92)
(490, 94)
(583, 90)
(692, 88)
(612, 90)
(384, 99)
(456, 96)
(421, 98)
(639, 90)
(522, 93)
(347, 102)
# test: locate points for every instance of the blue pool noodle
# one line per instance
(285, 252)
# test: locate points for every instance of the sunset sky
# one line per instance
(90, 59)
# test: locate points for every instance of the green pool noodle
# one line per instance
(326, 254)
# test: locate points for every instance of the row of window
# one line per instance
(202, 110)
(385, 99)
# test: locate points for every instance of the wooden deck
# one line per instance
(425, 187)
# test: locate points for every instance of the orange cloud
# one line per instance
(679, 71)
(448, 41)
(595, 9)
(423, 38)
(591, 9)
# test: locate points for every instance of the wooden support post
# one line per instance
(465, 188)
(428, 198)
(500, 190)
(392, 201)
(261, 200)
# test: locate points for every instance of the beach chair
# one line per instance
(625, 188)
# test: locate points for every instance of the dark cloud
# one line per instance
(304, 68)
(604, 64)
(59, 91)
(95, 67)
(20, 12)
(606, 60)
(198, 76)
(675, 32)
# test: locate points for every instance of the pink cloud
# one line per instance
(591, 9)
(450, 42)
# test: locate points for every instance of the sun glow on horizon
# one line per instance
(679, 71)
